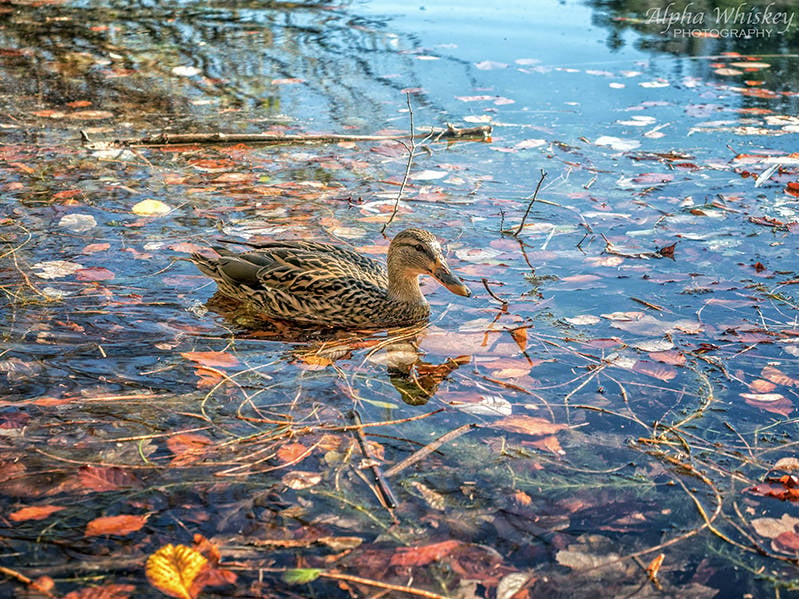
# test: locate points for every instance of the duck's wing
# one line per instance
(303, 281)
(309, 254)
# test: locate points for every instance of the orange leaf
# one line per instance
(548, 443)
(291, 452)
(188, 443)
(520, 337)
(34, 512)
(115, 525)
(654, 566)
(173, 570)
(529, 425)
(188, 448)
(212, 359)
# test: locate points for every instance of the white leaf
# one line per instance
(185, 71)
(79, 223)
(55, 269)
(616, 143)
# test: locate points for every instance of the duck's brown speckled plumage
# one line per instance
(321, 284)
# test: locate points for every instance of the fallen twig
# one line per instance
(450, 133)
(491, 293)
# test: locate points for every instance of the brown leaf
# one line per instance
(34, 512)
(529, 425)
(106, 478)
(115, 525)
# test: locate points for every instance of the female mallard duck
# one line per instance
(321, 284)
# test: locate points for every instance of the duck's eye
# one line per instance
(419, 248)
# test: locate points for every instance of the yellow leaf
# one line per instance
(173, 569)
(151, 208)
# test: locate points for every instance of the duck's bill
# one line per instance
(444, 276)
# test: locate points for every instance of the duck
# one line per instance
(320, 284)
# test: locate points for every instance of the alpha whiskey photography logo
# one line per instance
(741, 21)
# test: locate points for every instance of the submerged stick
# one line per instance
(384, 491)
(451, 133)
(425, 451)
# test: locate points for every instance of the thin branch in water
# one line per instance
(530, 205)
(491, 293)
(411, 152)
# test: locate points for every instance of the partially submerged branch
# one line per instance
(450, 133)
(529, 206)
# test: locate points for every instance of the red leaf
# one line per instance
(94, 273)
(107, 591)
(421, 556)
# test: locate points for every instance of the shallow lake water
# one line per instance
(620, 385)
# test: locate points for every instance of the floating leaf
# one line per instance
(183, 71)
(115, 525)
(35, 512)
(78, 223)
(477, 403)
(173, 570)
(775, 375)
(212, 359)
(151, 208)
(617, 143)
(94, 273)
(55, 269)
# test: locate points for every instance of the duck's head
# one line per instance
(416, 252)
